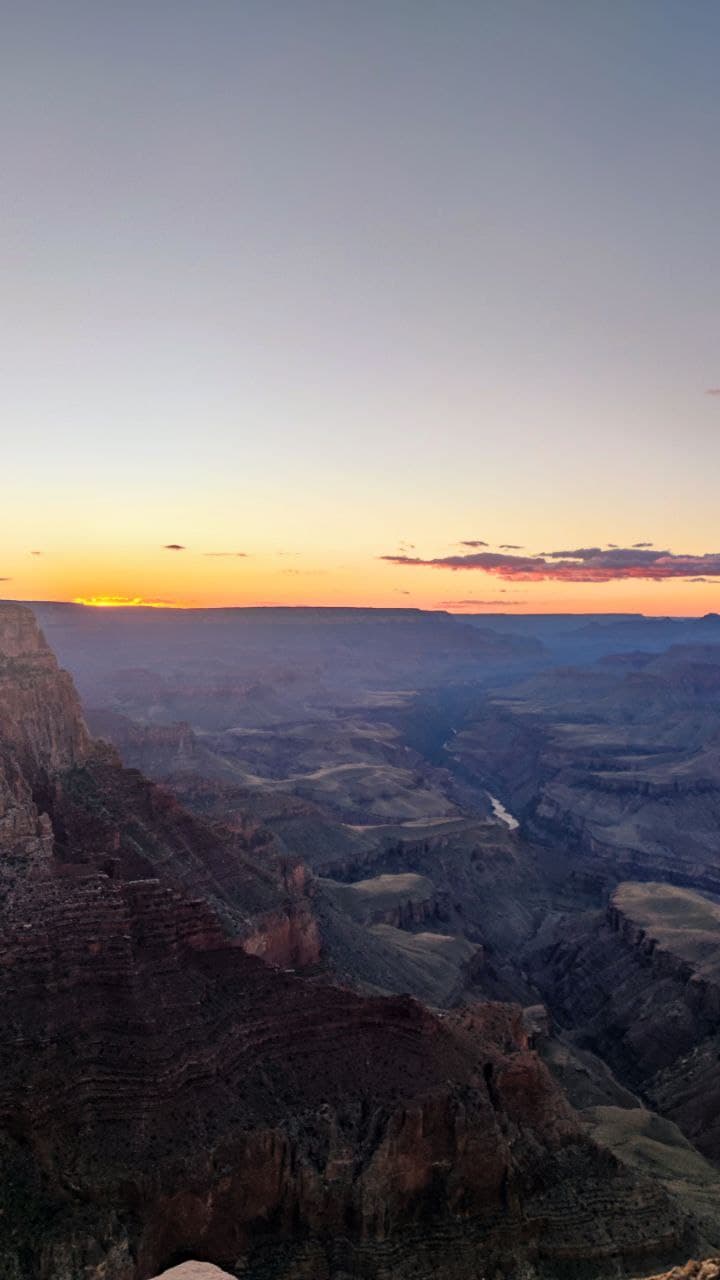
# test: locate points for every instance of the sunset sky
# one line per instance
(342, 287)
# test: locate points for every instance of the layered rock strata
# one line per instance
(640, 985)
(165, 1096)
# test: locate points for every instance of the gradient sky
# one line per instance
(350, 280)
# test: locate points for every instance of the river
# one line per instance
(503, 814)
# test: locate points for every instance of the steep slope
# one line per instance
(640, 984)
(42, 732)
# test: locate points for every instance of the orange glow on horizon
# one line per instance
(126, 602)
(126, 578)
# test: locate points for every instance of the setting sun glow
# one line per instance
(125, 602)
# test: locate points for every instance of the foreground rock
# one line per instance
(194, 1271)
(708, 1270)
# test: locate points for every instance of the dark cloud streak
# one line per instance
(587, 564)
(581, 553)
(458, 604)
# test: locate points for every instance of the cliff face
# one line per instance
(403, 901)
(163, 1094)
(42, 720)
(158, 750)
(640, 984)
(624, 826)
(41, 733)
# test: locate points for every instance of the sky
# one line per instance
(301, 298)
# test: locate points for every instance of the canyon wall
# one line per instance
(646, 998)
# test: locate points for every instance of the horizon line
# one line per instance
(177, 607)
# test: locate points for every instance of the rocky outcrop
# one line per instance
(158, 749)
(405, 901)
(289, 938)
(640, 985)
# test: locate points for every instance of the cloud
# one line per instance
(580, 553)
(484, 604)
(713, 391)
(5, 579)
(613, 546)
(509, 546)
(36, 553)
(585, 565)
(287, 553)
(399, 591)
(173, 546)
(223, 555)
(473, 542)
(303, 573)
(714, 581)
(641, 546)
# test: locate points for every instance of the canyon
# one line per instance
(616, 763)
(286, 992)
